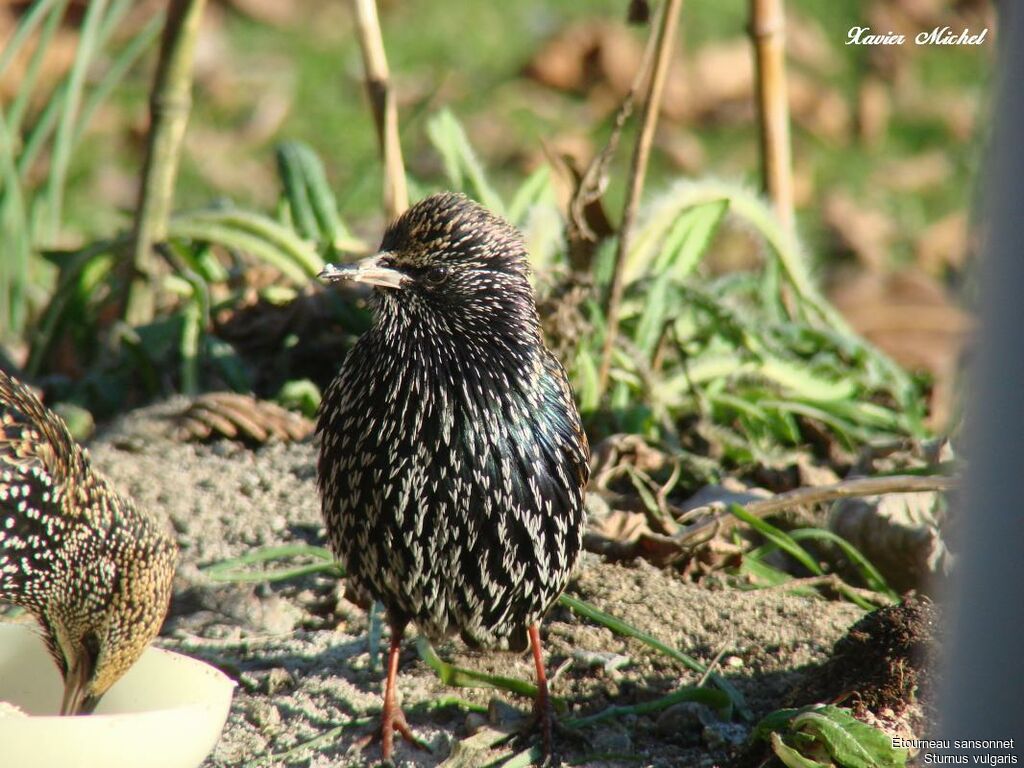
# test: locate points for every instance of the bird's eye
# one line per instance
(435, 275)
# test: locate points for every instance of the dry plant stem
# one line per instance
(169, 105)
(861, 486)
(382, 104)
(664, 31)
(767, 29)
(829, 581)
(591, 187)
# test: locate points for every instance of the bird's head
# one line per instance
(96, 634)
(451, 265)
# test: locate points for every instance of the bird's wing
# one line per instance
(32, 434)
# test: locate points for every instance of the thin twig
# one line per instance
(665, 33)
(767, 30)
(861, 486)
(169, 106)
(382, 104)
(591, 186)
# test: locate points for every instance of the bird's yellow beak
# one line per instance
(369, 271)
(76, 682)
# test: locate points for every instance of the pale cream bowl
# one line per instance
(166, 712)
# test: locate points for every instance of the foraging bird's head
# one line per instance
(450, 266)
(94, 571)
(96, 634)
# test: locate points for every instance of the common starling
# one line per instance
(94, 571)
(452, 461)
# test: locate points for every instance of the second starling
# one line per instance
(94, 571)
(452, 461)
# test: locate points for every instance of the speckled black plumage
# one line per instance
(94, 571)
(452, 461)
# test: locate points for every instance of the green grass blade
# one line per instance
(239, 569)
(300, 252)
(461, 677)
(461, 164)
(871, 575)
(535, 188)
(14, 218)
(623, 628)
(41, 131)
(717, 700)
(779, 538)
(23, 30)
(63, 296)
(292, 173)
(27, 83)
(122, 64)
(87, 47)
(321, 196)
(289, 261)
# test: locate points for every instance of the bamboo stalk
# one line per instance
(382, 104)
(767, 30)
(169, 106)
(664, 30)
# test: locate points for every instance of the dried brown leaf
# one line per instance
(235, 416)
(874, 108)
(900, 534)
(944, 244)
(909, 316)
(914, 174)
(868, 234)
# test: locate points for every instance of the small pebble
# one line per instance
(277, 680)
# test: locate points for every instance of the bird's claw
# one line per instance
(398, 725)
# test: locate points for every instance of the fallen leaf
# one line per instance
(899, 534)
(820, 109)
(868, 234)
(873, 110)
(914, 174)
(235, 416)
(809, 45)
(944, 244)
(908, 315)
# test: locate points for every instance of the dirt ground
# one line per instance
(300, 654)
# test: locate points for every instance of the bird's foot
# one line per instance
(386, 735)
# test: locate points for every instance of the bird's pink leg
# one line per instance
(392, 718)
(542, 705)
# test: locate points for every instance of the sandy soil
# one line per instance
(300, 656)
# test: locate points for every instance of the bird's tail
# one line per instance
(30, 433)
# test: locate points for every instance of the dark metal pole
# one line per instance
(983, 694)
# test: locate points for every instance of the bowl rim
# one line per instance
(215, 677)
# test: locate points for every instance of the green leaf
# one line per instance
(851, 743)
(254, 233)
(588, 390)
(302, 395)
(293, 177)
(791, 758)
